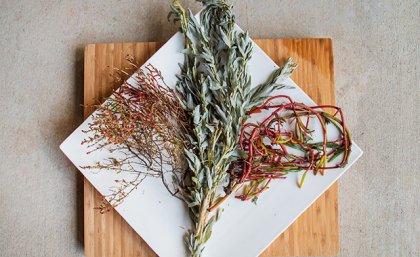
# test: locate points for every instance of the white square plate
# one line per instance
(161, 220)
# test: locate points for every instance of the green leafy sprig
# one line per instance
(215, 89)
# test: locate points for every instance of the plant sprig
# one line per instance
(215, 90)
(284, 143)
(144, 124)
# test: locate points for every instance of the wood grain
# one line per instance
(315, 232)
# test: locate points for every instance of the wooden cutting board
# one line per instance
(315, 232)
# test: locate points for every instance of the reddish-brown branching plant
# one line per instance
(144, 124)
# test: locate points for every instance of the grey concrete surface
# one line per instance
(41, 78)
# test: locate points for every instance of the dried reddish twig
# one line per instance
(144, 123)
